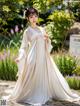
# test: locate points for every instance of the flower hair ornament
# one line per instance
(24, 13)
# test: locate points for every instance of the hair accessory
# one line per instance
(24, 13)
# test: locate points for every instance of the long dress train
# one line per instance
(39, 79)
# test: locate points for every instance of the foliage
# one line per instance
(66, 64)
(61, 23)
(74, 82)
(44, 5)
(75, 8)
(8, 69)
(13, 40)
(77, 71)
(11, 11)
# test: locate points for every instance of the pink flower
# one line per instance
(12, 31)
(16, 28)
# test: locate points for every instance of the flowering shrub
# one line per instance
(13, 40)
(8, 67)
(60, 23)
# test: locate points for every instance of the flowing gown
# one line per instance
(39, 79)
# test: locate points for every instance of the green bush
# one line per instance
(10, 41)
(8, 69)
(66, 64)
(77, 71)
(74, 82)
(59, 27)
(75, 8)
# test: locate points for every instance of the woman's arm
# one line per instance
(23, 47)
(48, 40)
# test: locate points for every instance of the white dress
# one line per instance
(39, 79)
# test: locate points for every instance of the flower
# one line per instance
(12, 31)
(16, 28)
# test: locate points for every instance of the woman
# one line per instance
(39, 79)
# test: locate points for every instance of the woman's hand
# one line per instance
(46, 37)
(16, 60)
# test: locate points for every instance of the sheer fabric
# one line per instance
(39, 79)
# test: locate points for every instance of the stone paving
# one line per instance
(6, 86)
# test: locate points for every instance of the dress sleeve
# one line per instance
(48, 44)
(24, 45)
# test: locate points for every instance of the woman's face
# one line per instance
(33, 19)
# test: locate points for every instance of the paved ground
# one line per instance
(6, 86)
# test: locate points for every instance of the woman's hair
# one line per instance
(30, 11)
